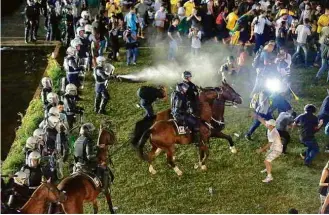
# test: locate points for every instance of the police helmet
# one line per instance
(31, 142)
(38, 134)
(182, 87)
(76, 42)
(186, 75)
(88, 28)
(100, 60)
(87, 128)
(71, 89)
(109, 69)
(310, 108)
(46, 82)
(85, 14)
(81, 28)
(33, 156)
(53, 112)
(52, 98)
(20, 178)
(71, 51)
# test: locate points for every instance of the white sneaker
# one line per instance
(268, 179)
(233, 149)
(302, 156)
(263, 171)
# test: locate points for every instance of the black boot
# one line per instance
(196, 138)
(26, 36)
(97, 104)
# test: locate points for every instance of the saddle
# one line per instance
(180, 128)
(80, 169)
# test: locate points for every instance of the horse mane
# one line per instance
(32, 198)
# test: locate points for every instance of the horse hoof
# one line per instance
(196, 166)
(157, 152)
(178, 171)
(152, 170)
(204, 167)
(233, 150)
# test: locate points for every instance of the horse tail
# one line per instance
(141, 143)
(140, 127)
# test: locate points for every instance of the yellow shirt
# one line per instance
(283, 11)
(231, 20)
(323, 21)
(188, 8)
(173, 2)
(112, 9)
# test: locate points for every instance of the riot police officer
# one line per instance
(192, 92)
(183, 111)
(101, 75)
(52, 29)
(30, 176)
(31, 19)
(70, 107)
(69, 25)
(52, 99)
(83, 51)
(47, 87)
(148, 95)
(30, 146)
(84, 147)
(39, 135)
(71, 66)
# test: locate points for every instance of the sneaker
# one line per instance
(133, 63)
(233, 149)
(302, 156)
(263, 171)
(267, 179)
(248, 137)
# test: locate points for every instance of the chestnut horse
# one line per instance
(80, 188)
(163, 134)
(227, 94)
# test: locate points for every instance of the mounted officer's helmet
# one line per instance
(53, 112)
(46, 82)
(182, 87)
(71, 89)
(85, 14)
(31, 143)
(87, 128)
(38, 134)
(33, 156)
(310, 108)
(81, 28)
(100, 60)
(75, 42)
(71, 51)
(52, 98)
(88, 28)
(186, 75)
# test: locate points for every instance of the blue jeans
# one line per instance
(256, 123)
(259, 41)
(173, 47)
(102, 47)
(311, 151)
(324, 67)
(131, 55)
(299, 46)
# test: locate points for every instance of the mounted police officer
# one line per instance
(192, 91)
(71, 66)
(148, 95)
(84, 154)
(70, 100)
(182, 110)
(47, 87)
(31, 19)
(102, 74)
(30, 176)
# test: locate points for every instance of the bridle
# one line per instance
(220, 92)
(60, 199)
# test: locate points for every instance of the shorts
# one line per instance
(272, 155)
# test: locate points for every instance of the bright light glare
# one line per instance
(273, 84)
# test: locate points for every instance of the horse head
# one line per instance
(106, 136)
(51, 193)
(209, 94)
(229, 94)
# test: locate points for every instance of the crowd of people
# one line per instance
(273, 33)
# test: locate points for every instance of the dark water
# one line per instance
(21, 73)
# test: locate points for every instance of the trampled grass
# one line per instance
(234, 178)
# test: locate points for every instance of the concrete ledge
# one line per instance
(10, 41)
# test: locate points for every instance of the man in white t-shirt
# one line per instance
(302, 31)
(274, 144)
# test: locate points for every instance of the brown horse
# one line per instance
(39, 201)
(227, 94)
(163, 134)
(80, 188)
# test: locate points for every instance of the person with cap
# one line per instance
(148, 95)
(274, 145)
(309, 124)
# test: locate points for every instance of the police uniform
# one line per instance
(83, 150)
(193, 96)
(52, 30)
(147, 96)
(31, 19)
(102, 96)
(72, 70)
(69, 28)
(44, 94)
(70, 108)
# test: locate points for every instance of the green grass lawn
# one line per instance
(235, 178)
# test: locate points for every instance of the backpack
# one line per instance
(257, 60)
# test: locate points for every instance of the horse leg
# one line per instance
(204, 152)
(151, 156)
(170, 161)
(73, 207)
(229, 139)
(95, 206)
(109, 202)
(157, 152)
